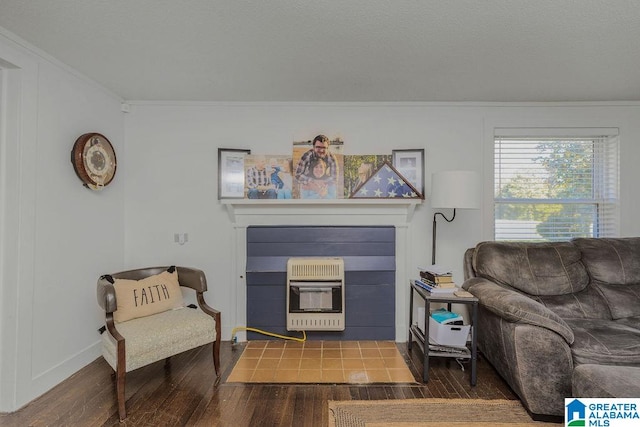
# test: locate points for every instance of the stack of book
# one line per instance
(436, 280)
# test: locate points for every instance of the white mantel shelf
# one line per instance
(307, 208)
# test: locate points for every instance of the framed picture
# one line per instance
(268, 176)
(386, 183)
(359, 168)
(231, 173)
(410, 164)
(320, 176)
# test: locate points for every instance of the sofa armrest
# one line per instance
(517, 308)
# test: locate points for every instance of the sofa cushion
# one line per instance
(534, 268)
(633, 322)
(152, 338)
(606, 381)
(604, 342)
(151, 295)
(587, 303)
(614, 267)
(623, 300)
(609, 260)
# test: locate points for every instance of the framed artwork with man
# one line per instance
(318, 169)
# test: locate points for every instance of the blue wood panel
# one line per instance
(371, 276)
(369, 255)
(266, 305)
(351, 263)
(304, 234)
(259, 278)
(354, 248)
(372, 305)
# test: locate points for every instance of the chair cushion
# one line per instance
(152, 338)
(151, 295)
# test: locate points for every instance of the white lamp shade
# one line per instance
(455, 189)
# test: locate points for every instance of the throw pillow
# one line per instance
(151, 295)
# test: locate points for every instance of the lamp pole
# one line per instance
(433, 243)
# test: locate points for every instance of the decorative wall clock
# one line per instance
(94, 160)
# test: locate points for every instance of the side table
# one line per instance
(422, 339)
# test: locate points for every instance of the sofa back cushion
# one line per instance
(609, 260)
(533, 268)
(586, 304)
(614, 267)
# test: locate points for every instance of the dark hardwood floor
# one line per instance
(184, 392)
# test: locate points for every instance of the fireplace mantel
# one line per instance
(307, 210)
(244, 213)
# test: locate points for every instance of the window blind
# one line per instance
(554, 188)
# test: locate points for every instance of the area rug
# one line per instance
(429, 413)
(332, 362)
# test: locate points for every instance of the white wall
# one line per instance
(57, 236)
(171, 173)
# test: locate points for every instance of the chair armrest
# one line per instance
(211, 312)
(515, 307)
(106, 295)
(192, 278)
(111, 327)
(195, 279)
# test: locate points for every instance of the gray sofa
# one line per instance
(547, 308)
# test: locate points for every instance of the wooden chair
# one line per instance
(134, 343)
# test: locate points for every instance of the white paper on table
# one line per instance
(436, 269)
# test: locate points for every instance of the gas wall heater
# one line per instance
(315, 294)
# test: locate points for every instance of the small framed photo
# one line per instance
(231, 173)
(410, 164)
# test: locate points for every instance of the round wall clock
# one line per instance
(94, 160)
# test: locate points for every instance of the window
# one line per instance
(555, 187)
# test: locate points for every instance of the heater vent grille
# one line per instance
(315, 268)
(317, 323)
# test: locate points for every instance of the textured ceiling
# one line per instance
(342, 50)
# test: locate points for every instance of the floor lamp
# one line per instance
(453, 190)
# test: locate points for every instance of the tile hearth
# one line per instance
(353, 362)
